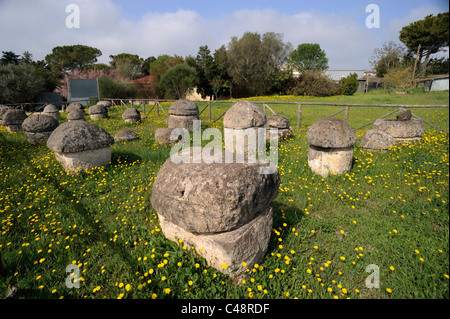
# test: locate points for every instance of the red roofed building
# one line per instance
(146, 86)
(145, 79)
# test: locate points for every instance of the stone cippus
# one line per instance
(241, 146)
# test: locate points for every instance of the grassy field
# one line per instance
(390, 211)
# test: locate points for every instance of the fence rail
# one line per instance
(265, 105)
(156, 105)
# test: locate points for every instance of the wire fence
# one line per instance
(156, 106)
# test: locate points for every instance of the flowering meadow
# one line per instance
(390, 212)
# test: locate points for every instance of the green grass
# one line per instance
(390, 210)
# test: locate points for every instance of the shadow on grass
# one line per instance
(99, 232)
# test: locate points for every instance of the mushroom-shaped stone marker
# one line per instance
(330, 146)
(403, 131)
(182, 113)
(75, 106)
(76, 115)
(12, 119)
(223, 209)
(376, 140)
(3, 109)
(131, 115)
(97, 112)
(106, 104)
(52, 110)
(38, 128)
(125, 135)
(162, 136)
(281, 123)
(80, 145)
(241, 123)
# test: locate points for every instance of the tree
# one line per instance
(308, 56)
(9, 57)
(19, 83)
(111, 88)
(204, 64)
(162, 64)
(389, 56)
(254, 61)
(70, 57)
(397, 77)
(349, 84)
(313, 83)
(438, 66)
(146, 65)
(177, 80)
(221, 79)
(431, 33)
(27, 57)
(129, 66)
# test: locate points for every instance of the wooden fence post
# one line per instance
(299, 115)
(346, 113)
(209, 109)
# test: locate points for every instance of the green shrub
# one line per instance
(313, 83)
(19, 83)
(110, 88)
(177, 80)
(349, 84)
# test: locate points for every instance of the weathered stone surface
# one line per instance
(278, 121)
(78, 136)
(75, 106)
(40, 123)
(404, 115)
(75, 115)
(183, 107)
(400, 129)
(37, 137)
(282, 133)
(13, 119)
(97, 112)
(377, 140)
(125, 135)
(3, 109)
(162, 136)
(106, 104)
(247, 243)
(204, 197)
(281, 124)
(242, 141)
(38, 127)
(326, 161)
(52, 110)
(331, 133)
(131, 115)
(244, 114)
(186, 122)
(75, 163)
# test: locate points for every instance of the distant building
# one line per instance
(145, 79)
(338, 75)
(436, 84)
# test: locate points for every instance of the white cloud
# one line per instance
(39, 25)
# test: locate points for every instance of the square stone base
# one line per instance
(247, 243)
(75, 163)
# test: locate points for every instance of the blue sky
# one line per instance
(152, 28)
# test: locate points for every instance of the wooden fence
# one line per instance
(155, 104)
